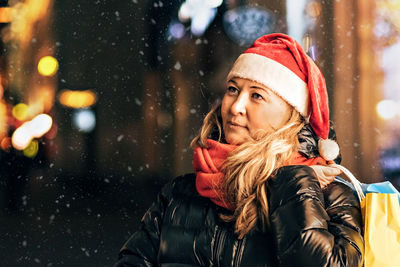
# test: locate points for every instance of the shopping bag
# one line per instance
(381, 215)
(383, 187)
(381, 219)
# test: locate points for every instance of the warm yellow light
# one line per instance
(77, 99)
(387, 109)
(48, 66)
(5, 14)
(32, 149)
(20, 111)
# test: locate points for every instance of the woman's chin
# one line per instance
(234, 139)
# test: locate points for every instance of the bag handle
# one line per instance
(352, 179)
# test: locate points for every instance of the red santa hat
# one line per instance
(280, 63)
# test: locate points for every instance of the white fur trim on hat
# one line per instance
(328, 149)
(274, 76)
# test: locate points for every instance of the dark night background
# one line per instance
(83, 195)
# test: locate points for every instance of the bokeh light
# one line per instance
(35, 128)
(40, 125)
(48, 66)
(314, 9)
(202, 20)
(214, 3)
(6, 143)
(5, 14)
(184, 13)
(20, 111)
(201, 12)
(176, 30)
(245, 24)
(32, 149)
(84, 120)
(77, 99)
(387, 109)
(21, 137)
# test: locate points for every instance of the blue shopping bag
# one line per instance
(385, 187)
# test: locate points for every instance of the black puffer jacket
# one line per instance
(309, 227)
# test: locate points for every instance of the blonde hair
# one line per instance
(249, 166)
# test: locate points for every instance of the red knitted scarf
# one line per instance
(207, 163)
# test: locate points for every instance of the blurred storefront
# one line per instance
(366, 98)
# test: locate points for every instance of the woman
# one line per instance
(262, 194)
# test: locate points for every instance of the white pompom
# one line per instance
(328, 149)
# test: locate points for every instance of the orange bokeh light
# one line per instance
(6, 144)
(77, 99)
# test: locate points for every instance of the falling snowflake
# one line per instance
(177, 65)
(138, 102)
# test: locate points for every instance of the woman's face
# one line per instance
(248, 107)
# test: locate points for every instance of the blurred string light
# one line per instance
(47, 66)
(77, 99)
(200, 12)
(35, 128)
(388, 109)
(84, 120)
(20, 111)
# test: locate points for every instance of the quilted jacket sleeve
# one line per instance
(314, 227)
(142, 247)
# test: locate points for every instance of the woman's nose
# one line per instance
(239, 105)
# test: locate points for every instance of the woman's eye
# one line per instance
(257, 96)
(232, 90)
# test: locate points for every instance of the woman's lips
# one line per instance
(236, 125)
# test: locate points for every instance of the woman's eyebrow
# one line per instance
(232, 81)
(261, 88)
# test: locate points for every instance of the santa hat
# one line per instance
(280, 63)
